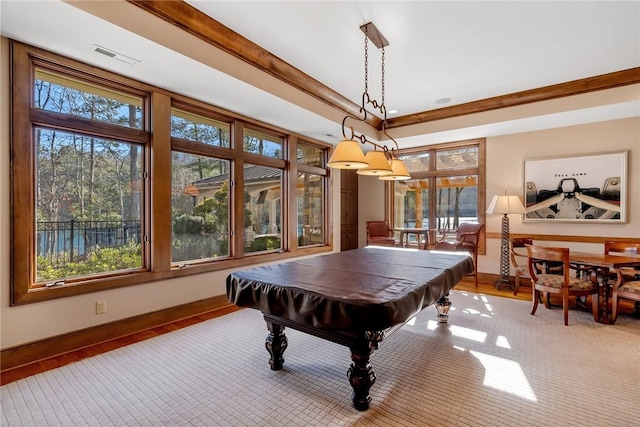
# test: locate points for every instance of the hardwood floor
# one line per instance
(488, 289)
(74, 356)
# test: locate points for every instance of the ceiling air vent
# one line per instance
(115, 55)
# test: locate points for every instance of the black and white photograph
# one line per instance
(581, 188)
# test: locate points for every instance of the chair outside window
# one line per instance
(467, 237)
(627, 283)
(379, 233)
(546, 284)
(519, 259)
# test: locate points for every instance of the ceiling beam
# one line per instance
(575, 87)
(201, 25)
(190, 19)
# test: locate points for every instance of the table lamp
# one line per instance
(505, 205)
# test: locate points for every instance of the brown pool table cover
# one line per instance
(372, 288)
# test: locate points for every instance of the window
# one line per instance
(200, 226)
(78, 167)
(311, 155)
(263, 144)
(88, 205)
(263, 196)
(446, 187)
(310, 191)
(62, 94)
(104, 197)
(199, 207)
(197, 128)
(262, 208)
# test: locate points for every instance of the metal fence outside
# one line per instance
(63, 242)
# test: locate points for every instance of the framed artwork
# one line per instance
(585, 188)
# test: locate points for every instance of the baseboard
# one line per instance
(54, 346)
(489, 277)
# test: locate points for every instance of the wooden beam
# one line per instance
(575, 87)
(190, 19)
(197, 23)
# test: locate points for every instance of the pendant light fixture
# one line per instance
(348, 155)
(377, 164)
(381, 161)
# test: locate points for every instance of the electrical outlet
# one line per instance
(101, 306)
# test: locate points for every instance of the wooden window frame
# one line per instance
(158, 143)
(432, 174)
(299, 167)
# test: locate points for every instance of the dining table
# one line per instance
(405, 232)
(603, 264)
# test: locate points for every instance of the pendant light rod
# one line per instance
(345, 157)
(374, 35)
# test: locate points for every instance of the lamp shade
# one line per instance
(506, 205)
(347, 155)
(400, 172)
(378, 164)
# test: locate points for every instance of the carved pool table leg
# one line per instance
(276, 344)
(361, 377)
(443, 305)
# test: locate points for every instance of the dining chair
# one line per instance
(519, 260)
(379, 233)
(467, 237)
(558, 282)
(627, 280)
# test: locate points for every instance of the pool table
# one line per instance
(354, 298)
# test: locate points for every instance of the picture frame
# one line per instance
(585, 188)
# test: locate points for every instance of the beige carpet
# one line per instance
(492, 365)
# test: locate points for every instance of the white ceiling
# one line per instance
(465, 51)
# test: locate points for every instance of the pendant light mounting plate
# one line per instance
(374, 35)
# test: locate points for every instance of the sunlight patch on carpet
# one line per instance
(505, 375)
(468, 333)
(503, 342)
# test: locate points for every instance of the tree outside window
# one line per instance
(445, 190)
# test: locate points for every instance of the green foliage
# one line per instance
(223, 247)
(188, 224)
(100, 260)
(264, 243)
(204, 208)
(214, 214)
(213, 220)
(203, 234)
(185, 247)
(248, 215)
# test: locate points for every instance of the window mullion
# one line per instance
(160, 247)
(86, 126)
(237, 200)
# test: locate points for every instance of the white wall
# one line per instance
(505, 155)
(370, 204)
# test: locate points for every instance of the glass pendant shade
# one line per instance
(378, 164)
(400, 172)
(347, 155)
